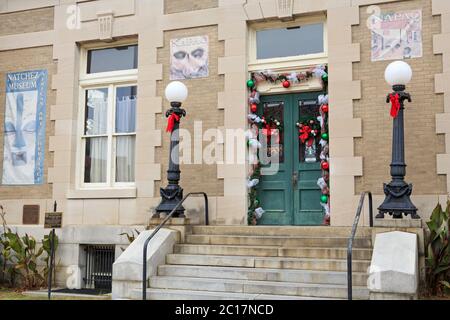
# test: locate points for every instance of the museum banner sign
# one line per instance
(24, 129)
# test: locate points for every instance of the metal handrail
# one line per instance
(352, 237)
(144, 256)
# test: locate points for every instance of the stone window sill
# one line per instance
(107, 193)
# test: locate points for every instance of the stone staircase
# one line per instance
(264, 262)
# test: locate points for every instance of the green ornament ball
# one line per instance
(325, 136)
(250, 83)
(324, 199)
(256, 202)
(325, 77)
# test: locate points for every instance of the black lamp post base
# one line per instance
(397, 201)
(171, 196)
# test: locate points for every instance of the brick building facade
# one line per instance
(56, 34)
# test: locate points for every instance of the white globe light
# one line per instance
(398, 73)
(176, 91)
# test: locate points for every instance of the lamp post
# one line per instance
(397, 201)
(176, 92)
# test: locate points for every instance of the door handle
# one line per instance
(294, 179)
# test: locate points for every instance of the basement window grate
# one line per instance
(99, 263)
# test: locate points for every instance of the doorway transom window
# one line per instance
(278, 45)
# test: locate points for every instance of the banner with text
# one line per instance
(24, 131)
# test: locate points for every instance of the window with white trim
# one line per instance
(108, 87)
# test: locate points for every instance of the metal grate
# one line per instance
(99, 263)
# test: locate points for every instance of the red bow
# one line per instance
(270, 130)
(395, 102)
(267, 130)
(304, 134)
(171, 121)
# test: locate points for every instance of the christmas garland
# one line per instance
(324, 181)
(309, 131)
(271, 126)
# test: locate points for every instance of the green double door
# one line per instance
(291, 196)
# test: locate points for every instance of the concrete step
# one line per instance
(269, 251)
(257, 287)
(281, 231)
(286, 241)
(262, 274)
(170, 294)
(266, 262)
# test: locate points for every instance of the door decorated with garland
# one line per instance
(292, 195)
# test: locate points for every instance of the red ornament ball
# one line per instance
(253, 107)
(286, 84)
(324, 108)
(325, 165)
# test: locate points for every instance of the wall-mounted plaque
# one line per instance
(53, 220)
(30, 214)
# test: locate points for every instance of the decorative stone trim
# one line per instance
(342, 91)
(105, 25)
(27, 40)
(441, 45)
(285, 9)
(233, 27)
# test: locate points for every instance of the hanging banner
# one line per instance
(396, 35)
(24, 130)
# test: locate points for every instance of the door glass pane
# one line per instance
(96, 112)
(125, 158)
(95, 160)
(286, 42)
(126, 109)
(310, 150)
(112, 59)
(274, 111)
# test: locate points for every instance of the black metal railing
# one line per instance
(144, 255)
(99, 263)
(352, 237)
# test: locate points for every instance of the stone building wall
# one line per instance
(26, 21)
(174, 6)
(359, 117)
(201, 107)
(14, 197)
(421, 142)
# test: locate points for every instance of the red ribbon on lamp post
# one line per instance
(395, 104)
(171, 121)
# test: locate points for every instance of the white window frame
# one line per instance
(110, 80)
(286, 62)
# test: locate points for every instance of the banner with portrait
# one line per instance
(24, 128)
(396, 35)
(189, 58)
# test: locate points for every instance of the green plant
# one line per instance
(25, 259)
(131, 237)
(20, 257)
(5, 254)
(438, 251)
(47, 250)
